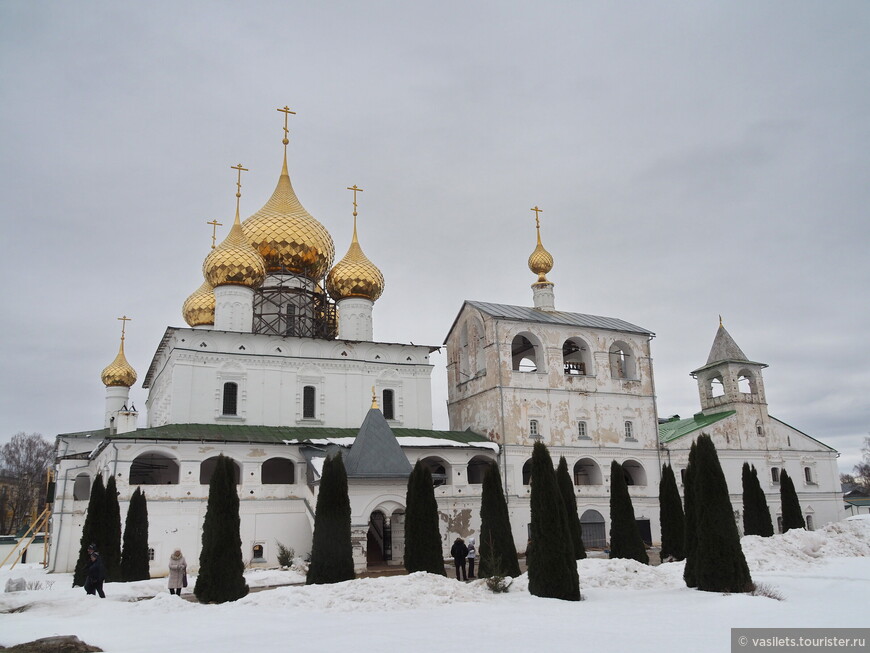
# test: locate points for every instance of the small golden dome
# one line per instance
(234, 262)
(198, 309)
(540, 261)
(355, 275)
(289, 237)
(119, 372)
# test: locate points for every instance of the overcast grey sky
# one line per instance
(691, 159)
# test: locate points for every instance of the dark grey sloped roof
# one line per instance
(527, 314)
(375, 452)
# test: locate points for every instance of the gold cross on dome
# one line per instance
(286, 111)
(214, 225)
(537, 215)
(124, 319)
(239, 181)
(355, 191)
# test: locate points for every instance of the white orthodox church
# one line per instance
(278, 368)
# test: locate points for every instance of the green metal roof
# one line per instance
(670, 431)
(265, 434)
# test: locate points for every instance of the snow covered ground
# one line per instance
(823, 577)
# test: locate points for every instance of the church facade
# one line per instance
(278, 368)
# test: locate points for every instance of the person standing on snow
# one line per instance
(472, 554)
(95, 573)
(177, 572)
(459, 552)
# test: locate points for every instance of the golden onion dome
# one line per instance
(287, 236)
(198, 309)
(234, 262)
(119, 372)
(540, 261)
(355, 275)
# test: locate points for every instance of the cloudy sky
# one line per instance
(692, 159)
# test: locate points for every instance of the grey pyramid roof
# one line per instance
(376, 452)
(724, 348)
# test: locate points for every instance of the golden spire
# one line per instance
(214, 225)
(119, 372)
(540, 261)
(235, 261)
(375, 399)
(287, 236)
(355, 275)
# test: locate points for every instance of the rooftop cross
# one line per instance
(355, 191)
(537, 215)
(214, 225)
(124, 319)
(286, 111)
(238, 184)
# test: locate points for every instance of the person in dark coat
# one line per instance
(459, 552)
(95, 573)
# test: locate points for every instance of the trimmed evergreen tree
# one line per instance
(550, 556)
(498, 553)
(756, 514)
(221, 568)
(720, 564)
(792, 517)
(134, 554)
(671, 517)
(111, 548)
(566, 489)
(625, 539)
(92, 530)
(331, 550)
(690, 574)
(422, 533)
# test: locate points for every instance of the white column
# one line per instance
(233, 308)
(355, 319)
(117, 396)
(543, 296)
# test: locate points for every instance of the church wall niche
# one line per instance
(153, 468)
(207, 467)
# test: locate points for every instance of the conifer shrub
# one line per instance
(625, 539)
(498, 553)
(720, 565)
(690, 571)
(111, 548)
(92, 529)
(566, 489)
(792, 517)
(221, 568)
(285, 555)
(550, 556)
(134, 554)
(756, 514)
(331, 550)
(671, 517)
(422, 533)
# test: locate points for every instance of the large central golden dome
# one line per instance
(287, 236)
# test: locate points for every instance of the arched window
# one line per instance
(810, 526)
(759, 429)
(439, 470)
(527, 472)
(629, 430)
(476, 469)
(622, 363)
(582, 431)
(82, 487)
(587, 472)
(592, 527)
(525, 355)
(154, 469)
(746, 382)
(774, 474)
(231, 398)
(808, 475)
(309, 394)
(464, 355)
(206, 470)
(576, 358)
(715, 386)
(278, 471)
(635, 474)
(387, 405)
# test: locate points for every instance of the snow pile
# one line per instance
(798, 548)
(374, 594)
